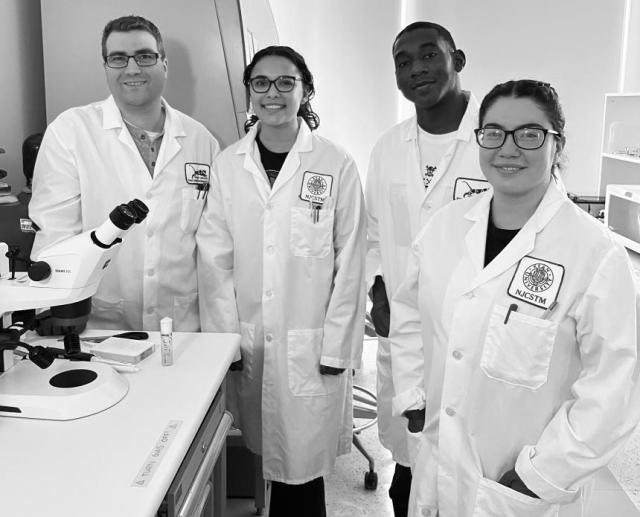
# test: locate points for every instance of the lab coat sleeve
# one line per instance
(588, 430)
(55, 202)
(405, 340)
(372, 199)
(214, 263)
(344, 320)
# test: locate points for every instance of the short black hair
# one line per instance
(442, 32)
(128, 24)
(310, 117)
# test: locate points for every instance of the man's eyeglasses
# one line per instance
(122, 60)
(528, 138)
(284, 83)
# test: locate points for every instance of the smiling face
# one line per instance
(135, 86)
(277, 109)
(426, 67)
(512, 171)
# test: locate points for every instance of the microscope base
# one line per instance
(65, 391)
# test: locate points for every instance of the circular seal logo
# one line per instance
(317, 185)
(538, 277)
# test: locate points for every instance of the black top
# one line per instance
(497, 240)
(272, 162)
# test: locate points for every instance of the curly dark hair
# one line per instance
(310, 117)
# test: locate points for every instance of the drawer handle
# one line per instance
(206, 467)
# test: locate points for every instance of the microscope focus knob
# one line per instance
(39, 271)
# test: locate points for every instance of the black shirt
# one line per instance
(497, 240)
(272, 162)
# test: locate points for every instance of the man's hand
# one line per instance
(329, 370)
(380, 310)
(416, 420)
(512, 480)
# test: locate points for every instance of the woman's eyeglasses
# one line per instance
(284, 83)
(528, 138)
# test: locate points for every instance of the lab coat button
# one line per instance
(450, 411)
(457, 354)
(426, 512)
(150, 310)
(268, 206)
(269, 338)
(471, 295)
(270, 249)
(150, 272)
(269, 293)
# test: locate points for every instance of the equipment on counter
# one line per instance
(65, 272)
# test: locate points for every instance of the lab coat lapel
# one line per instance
(521, 245)
(249, 149)
(173, 133)
(292, 163)
(112, 120)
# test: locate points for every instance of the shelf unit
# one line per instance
(621, 131)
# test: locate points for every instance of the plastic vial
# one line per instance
(166, 341)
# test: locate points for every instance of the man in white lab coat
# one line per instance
(416, 167)
(131, 145)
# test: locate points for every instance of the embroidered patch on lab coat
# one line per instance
(536, 281)
(467, 187)
(197, 173)
(316, 187)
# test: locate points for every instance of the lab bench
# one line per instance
(159, 451)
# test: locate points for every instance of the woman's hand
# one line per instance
(512, 480)
(329, 370)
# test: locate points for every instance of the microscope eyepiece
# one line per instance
(139, 208)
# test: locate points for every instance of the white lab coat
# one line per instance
(555, 397)
(294, 289)
(88, 164)
(398, 206)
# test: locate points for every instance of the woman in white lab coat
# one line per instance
(282, 263)
(527, 309)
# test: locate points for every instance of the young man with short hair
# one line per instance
(416, 167)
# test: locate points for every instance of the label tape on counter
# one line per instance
(146, 472)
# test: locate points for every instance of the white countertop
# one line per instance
(86, 467)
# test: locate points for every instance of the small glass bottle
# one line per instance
(166, 341)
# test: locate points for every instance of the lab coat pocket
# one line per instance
(496, 500)
(518, 352)
(186, 314)
(247, 340)
(311, 238)
(400, 214)
(304, 349)
(192, 205)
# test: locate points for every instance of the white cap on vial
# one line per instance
(166, 326)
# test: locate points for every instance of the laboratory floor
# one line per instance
(346, 496)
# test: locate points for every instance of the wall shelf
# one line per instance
(621, 130)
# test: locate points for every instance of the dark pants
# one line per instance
(399, 490)
(297, 500)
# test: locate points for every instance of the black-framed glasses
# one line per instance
(283, 83)
(122, 60)
(528, 138)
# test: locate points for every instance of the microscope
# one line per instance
(65, 272)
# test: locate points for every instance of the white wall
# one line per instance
(573, 44)
(21, 83)
(347, 45)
